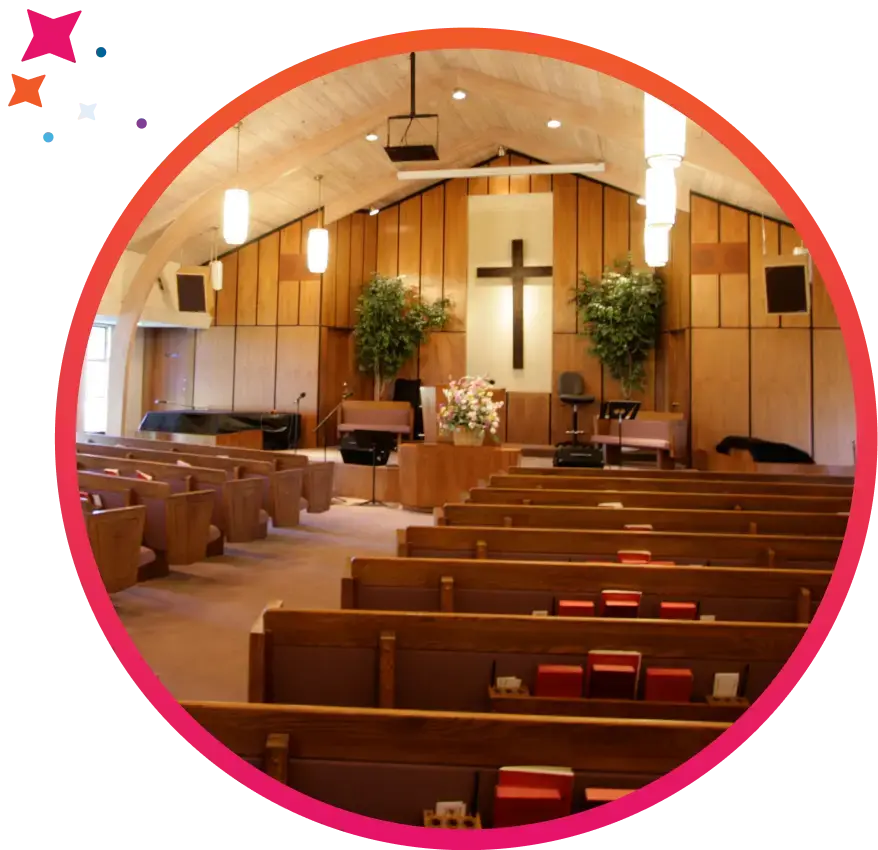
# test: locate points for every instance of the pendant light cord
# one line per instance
(319, 179)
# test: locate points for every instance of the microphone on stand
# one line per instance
(345, 392)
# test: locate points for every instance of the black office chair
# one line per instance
(571, 390)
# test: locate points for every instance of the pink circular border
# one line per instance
(463, 38)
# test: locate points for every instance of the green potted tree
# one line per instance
(620, 315)
(392, 323)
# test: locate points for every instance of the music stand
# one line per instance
(620, 410)
(380, 444)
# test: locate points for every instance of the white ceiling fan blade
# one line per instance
(510, 170)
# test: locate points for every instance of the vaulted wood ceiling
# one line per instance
(320, 128)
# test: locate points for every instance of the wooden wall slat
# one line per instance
(759, 317)
(327, 285)
(370, 247)
(734, 289)
(835, 424)
(443, 356)
(637, 219)
(678, 284)
(388, 241)
(780, 391)
(266, 300)
(704, 225)
(357, 264)
(432, 241)
(298, 353)
(214, 367)
(616, 226)
(227, 297)
(309, 288)
(343, 273)
(255, 363)
(565, 271)
(720, 385)
(789, 239)
(519, 184)
(410, 241)
(822, 311)
(288, 287)
(456, 252)
(499, 185)
(248, 268)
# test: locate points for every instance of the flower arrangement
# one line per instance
(470, 410)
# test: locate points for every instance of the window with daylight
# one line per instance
(96, 379)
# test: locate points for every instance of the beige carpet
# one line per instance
(191, 627)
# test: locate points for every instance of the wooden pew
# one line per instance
(395, 765)
(448, 662)
(317, 485)
(681, 484)
(177, 527)
(539, 544)
(281, 489)
(464, 586)
(564, 516)
(658, 499)
(237, 510)
(115, 535)
(695, 474)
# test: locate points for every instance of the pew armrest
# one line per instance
(257, 668)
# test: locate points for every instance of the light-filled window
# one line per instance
(96, 379)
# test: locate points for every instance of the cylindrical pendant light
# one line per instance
(318, 240)
(236, 207)
(661, 196)
(656, 245)
(664, 132)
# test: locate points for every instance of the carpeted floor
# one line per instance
(191, 628)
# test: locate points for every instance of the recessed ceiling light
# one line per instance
(371, 137)
(553, 123)
(459, 94)
(373, 211)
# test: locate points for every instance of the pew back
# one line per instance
(446, 662)
(658, 499)
(115, 536)
(681, 484)
(463, 586)
(734, 522)
(394, 765)
(539, 544)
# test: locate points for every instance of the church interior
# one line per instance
(466, 439)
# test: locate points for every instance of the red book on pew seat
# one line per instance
(634, 556)
(617, 678)
(559, 779)
(668, 685)
(514, 806)
(111, 472)
(599, 796)
(559, 680)
(620, 603)
(575, 608)
(678, 611)
(143, 476)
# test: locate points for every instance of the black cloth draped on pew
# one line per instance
(279, 430)
(764, 451)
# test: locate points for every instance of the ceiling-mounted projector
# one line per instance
(410, 137)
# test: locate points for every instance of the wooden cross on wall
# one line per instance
(518, 272)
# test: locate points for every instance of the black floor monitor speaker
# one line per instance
(579, 455)
(357, 447)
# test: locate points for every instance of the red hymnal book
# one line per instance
(620, 603)
(634, 556)
(678, 611)
(559, 779)
(575, 608)
(111, 472)
(599, 796)
(668, 685)
(514, 806)
(612, 680)
(559, 680)
(143, 476)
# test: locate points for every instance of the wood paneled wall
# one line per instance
(784, 379)
(280, 330)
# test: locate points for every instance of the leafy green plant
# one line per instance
(392, 323)
(620, 314)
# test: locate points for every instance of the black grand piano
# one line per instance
(280, 429)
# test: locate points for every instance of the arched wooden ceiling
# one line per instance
(320, 128)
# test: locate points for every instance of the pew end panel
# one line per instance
(115, 536)
(287, 493)
(260, 657)
(318, 486)
(188, 518)
(242, 506)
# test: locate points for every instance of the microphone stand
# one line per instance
(298, 425)
(329, 416)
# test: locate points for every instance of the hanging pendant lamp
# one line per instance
(216, 268)
(664, 132)
(656, 245)
(318, 239)
(236, 206)
(661, 196)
